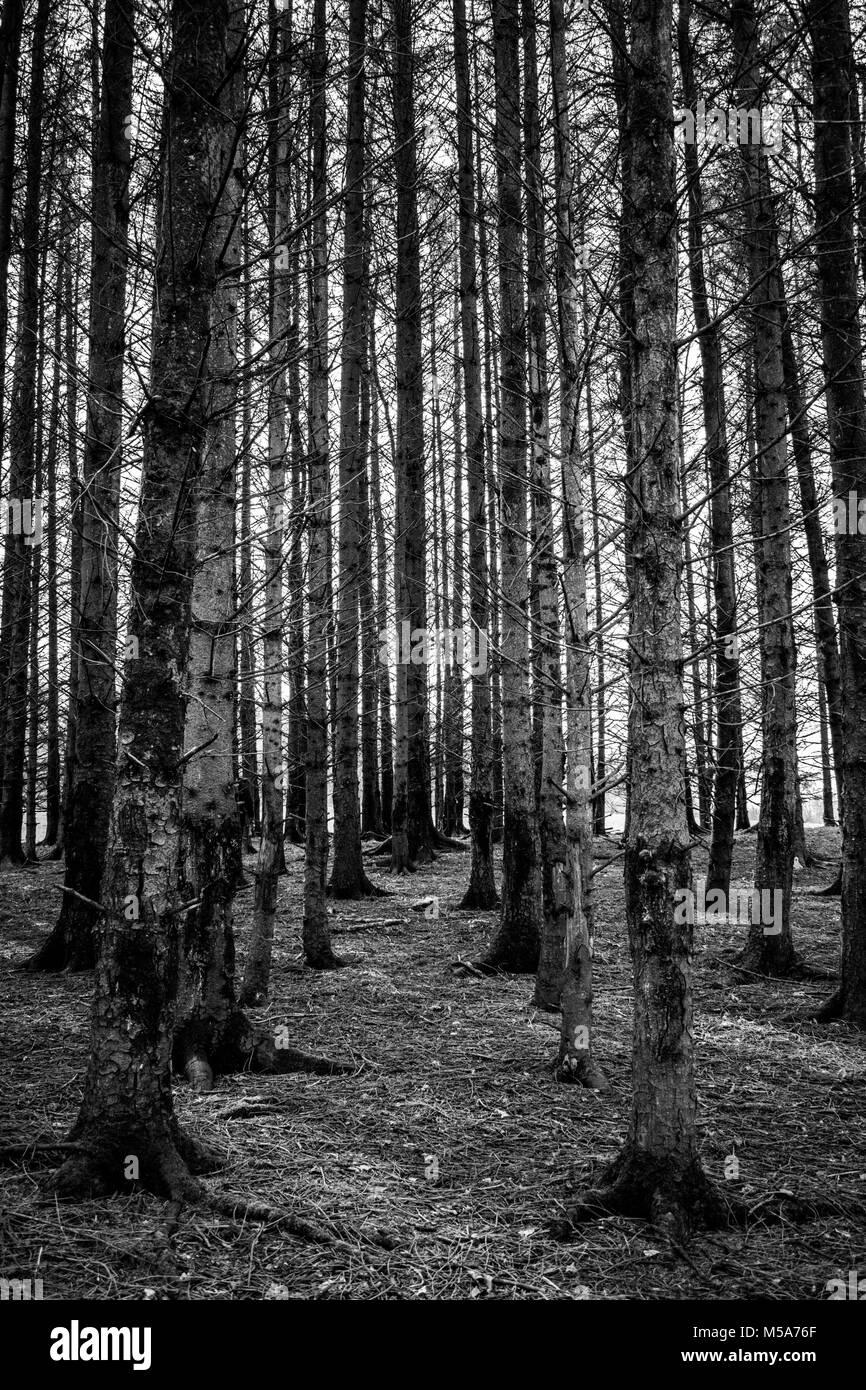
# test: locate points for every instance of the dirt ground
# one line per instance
(453, 1137)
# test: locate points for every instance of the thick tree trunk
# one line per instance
(481, 891)
(518, 940)
(658, 1172)
(846, 413)
(207, 1026)
(127, 1106)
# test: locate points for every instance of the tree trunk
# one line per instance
(727, 689)
(575, 1061)
(71, 944)
(127, 1107)
(481, 891)
(518, 940)
(207, 1027)
(846, 414)
(556, 885)
(658, 1172)
(411, 823)
(270, 862)
(348, 878)
(24, 525)
(770, 947)
(316, 932)
(384, 675)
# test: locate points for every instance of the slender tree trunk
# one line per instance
(70, 299)
(384, 674)
(297, 757)
(249, 788)
(825, 622)
(518, 940)
(557, 887)
(316, 932)
(52, 713)
(481, 890)
(576, 1062)
(490, 359)
(770, 947)
(411, 823)
(348, 877)
(26, 527)
(270, 862)
(727, 689)
(71, 944)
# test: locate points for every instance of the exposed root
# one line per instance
(579, 1069)
(674, 1200)
(272, 1060)
(831, 1008)
(478, 902)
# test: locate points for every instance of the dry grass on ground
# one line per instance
(454, 1137)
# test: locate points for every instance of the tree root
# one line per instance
(579, 1069)
(674, 1200)
(478, 902)
(831, 1008)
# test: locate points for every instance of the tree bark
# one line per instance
(846, 413)
(517, 943)
(127, 1104)
(71, 944)
(481, 890)
(658, 1173)
(411, 820)
(25, 531)
(769, 950)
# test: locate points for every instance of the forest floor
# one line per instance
(453, 1136)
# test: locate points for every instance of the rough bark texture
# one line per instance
(127, 1106)
(71, 944)
(206, 1026)
(549, 751)
(348, 878)
(481, 891)
(769, 952)
(21, 537)
(658, 1172)
(571, 956)
(727, 689)
(517, 943)
(316, 933)
(411, 820)
(832, 69)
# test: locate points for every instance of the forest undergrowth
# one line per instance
(438, 1168)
